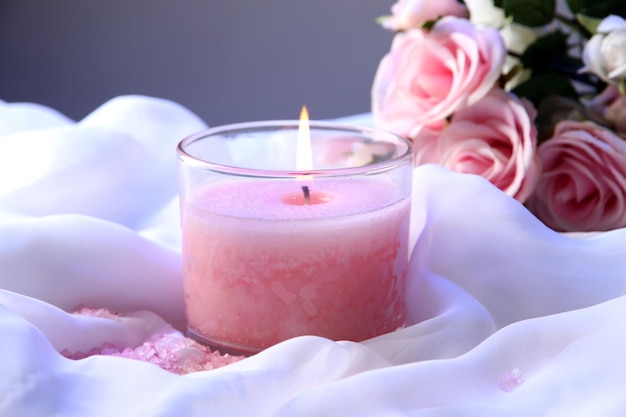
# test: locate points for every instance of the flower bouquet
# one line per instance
(528, 94)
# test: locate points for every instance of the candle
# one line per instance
(268, 257)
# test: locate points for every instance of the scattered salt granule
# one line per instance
(167, 348)
(510, 380)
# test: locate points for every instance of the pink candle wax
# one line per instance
(262, 267)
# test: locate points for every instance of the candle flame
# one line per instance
(304, 155)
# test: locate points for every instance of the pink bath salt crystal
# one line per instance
(510, 380)
(106, 349)
(96, 312)
(167, 349)
(73, 355)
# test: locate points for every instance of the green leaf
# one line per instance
(428, 25)
(575, 5)
(601, 8)
(381, 19)
(498, 3)
(543, 50)
(530, 12)
(589, 23)
(544, 85)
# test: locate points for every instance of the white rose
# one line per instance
(605, 53)
(516, 37)
(485, 13)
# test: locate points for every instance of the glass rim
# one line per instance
(370, 169)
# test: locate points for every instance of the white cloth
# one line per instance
(509, 318)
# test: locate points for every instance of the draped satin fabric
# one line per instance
(507, 317)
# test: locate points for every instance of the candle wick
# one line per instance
(307, 194)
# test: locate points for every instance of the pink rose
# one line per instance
(611, 107)
(412, 14)
(495, 138)
(428, 75)
(583, 184)
(426, 144)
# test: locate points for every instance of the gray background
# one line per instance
(226, 60)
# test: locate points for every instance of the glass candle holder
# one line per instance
(271, 252)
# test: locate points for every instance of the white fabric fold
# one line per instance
(496, 250)
(117, 164)
(506, 316)
(75, 261)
